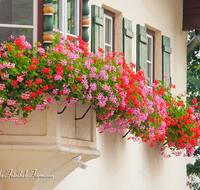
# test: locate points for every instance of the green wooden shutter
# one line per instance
(97, 28)
(141, 57)
(166, 51)
(127, 39)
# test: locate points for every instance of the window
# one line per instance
(103, 32)
(18, 17)
(153, 53)
(150, 56)
(66, 16)
(108, 31)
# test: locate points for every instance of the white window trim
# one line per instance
(63, 17)
(150, 62)
(35, 19)
(34, 26)
(111, 31)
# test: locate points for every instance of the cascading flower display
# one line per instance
(115, 92)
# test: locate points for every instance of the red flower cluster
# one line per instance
(34, 61)
(20, 43)
(32, 67)
(27, 108)
(79, 78)
(70, 68)
(38, 81)
(9, 47)
(46, 70)
(60, 69)
(14, 83)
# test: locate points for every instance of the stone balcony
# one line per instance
(46, 145)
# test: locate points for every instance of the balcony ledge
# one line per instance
(48, 144)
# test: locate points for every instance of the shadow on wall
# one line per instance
(113, 149)
(153, 163)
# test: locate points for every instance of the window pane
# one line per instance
(5, 34)
(16, 12)
(107, 49)
(56, 16)
(150, 58)
(150, 73)
(71, 19)
(108, 31)
(150, 49)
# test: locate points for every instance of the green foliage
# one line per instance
(193, 86)
(193, 172)
(193, 72)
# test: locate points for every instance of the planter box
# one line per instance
(47, 143)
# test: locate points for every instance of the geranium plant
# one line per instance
(114, 90)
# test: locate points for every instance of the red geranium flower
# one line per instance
(20, 55)
(38, 81)
(46, 87)
(70, 68)
(34, 61)
(49, 100)
(75, 88)
(32, 67)
(79, 78)
(33, 95)
(100, 50)
(14, 83)
(27, 108)
(132, 64)
(46, 70)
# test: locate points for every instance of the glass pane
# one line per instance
(56, 16)
(150, 73)
(108, 31)
(5, 34)
(107, 49)
(148, 49)
(71, 19)
(16, 12)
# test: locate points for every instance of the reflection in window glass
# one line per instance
(108, 49)
(66, 16)
(150, 59)
(5, 34)
(108, 33)
(56, 14)
(70, 17)
(16, 12)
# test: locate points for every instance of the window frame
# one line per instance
(111, 16)
(34, 26)
(151, 35)
(63, 17)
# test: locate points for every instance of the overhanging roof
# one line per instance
(191, 14)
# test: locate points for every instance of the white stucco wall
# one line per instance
(127, 165)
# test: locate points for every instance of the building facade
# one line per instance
(150, 34)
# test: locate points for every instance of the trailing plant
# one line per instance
(115, 92)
